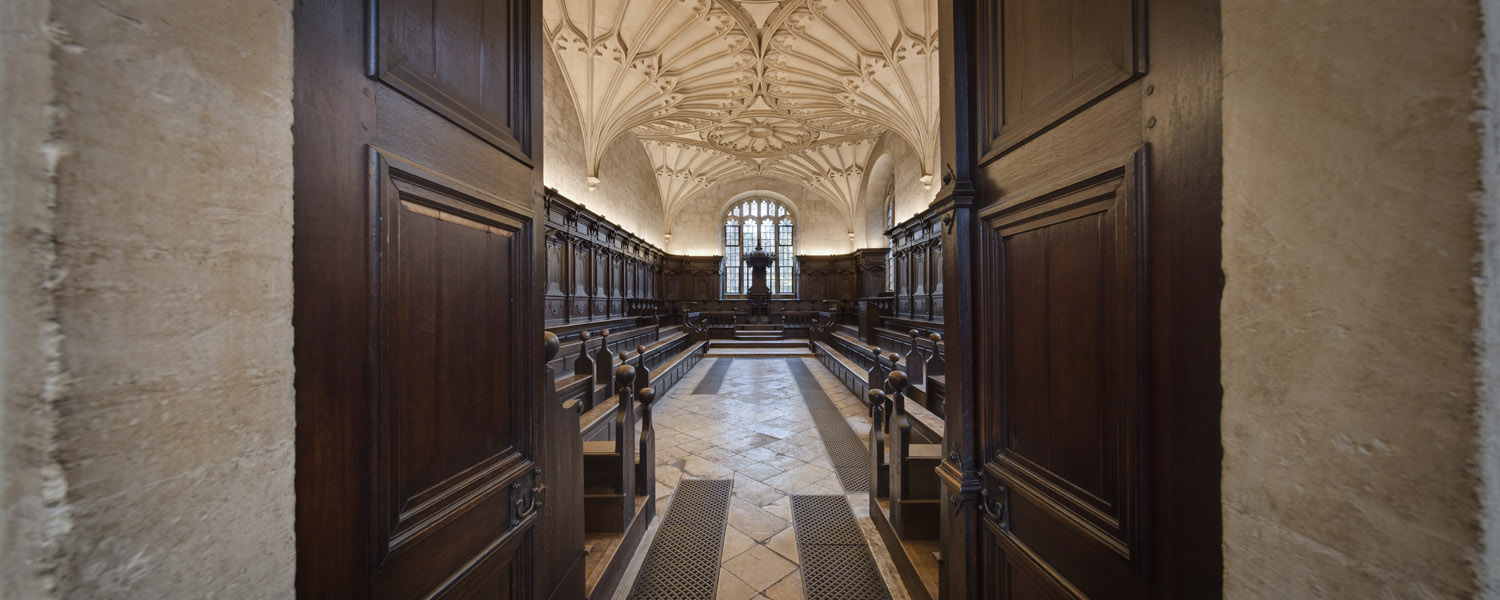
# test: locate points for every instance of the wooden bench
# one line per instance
(618, 481)
(659, 365)
(904, 462)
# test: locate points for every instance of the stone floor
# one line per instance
(756, 431)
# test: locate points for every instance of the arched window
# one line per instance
(768, 224)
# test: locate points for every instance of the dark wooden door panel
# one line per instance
(1067, 441)
(464, 59)
(496, 577)
(453, 259)
(1013, 572)
(416, 302)
(1097, 295)
(1052, 58)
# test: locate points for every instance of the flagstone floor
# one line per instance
(756, 431)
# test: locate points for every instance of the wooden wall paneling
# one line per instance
(610, 268)
(871, 272)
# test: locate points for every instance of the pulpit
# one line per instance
(759, 293)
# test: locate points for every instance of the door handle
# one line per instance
(995, 510)
(522, 508)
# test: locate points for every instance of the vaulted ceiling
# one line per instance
(719, 90)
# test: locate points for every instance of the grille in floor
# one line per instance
(849, 455)
(683, 562)
(836, 562)
(714, 378)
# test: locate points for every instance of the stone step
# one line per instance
(778, 343)
(718, 352)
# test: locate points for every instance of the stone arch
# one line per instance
(882, 176)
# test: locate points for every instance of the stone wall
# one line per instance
(146, 197)
(1348, 317)
(627, 194)
(821, 228)
(891, 159)
(1488, 286)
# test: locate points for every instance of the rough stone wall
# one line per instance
(1488, 286)
(627, 193)
(697, 229)
(29, 475)
(148, 414)
(1348, 317)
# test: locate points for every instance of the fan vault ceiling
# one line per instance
(719, 90)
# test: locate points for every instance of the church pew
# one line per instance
(609, 466)
(912, 509)
(659, 365)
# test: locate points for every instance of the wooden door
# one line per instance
(418, 341)
(1096, 163)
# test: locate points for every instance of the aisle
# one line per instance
(745, 420)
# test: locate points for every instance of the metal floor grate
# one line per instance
(836, 561)
(683, 563)
(714, 378)
(849, 455)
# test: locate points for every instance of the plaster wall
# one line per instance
(147, 352)
(1348, 317)
(821, 228)
(627, 193)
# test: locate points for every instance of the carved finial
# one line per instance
(550, 345)
(584, 336)
(914, 333)
(937, 338)
(877, 398)
(625, 377)
(897, 381)
(645, 396)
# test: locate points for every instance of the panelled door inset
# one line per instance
(1098, 182)
(418, 332)
(451, 437)
(1065, 455)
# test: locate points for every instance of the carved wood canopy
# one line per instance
(719, 90)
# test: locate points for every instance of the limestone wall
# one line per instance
(627, 192)
(1488, 285)
(892, 159)
(821, 228)
(1349, 364)
(146, 193)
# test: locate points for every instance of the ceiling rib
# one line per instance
(720, 90)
